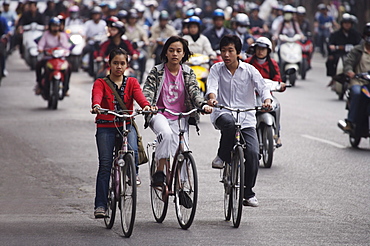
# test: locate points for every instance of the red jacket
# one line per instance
(103, 95)
(265, 70)
(108, 45)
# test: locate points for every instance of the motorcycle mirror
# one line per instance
(290, 71)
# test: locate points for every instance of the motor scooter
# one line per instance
(200, 64)
(361, 126)
(54, 86)
(88, 59)
(290, 56)
(267, 123)
(31, 32)
(139, 65)
(76, 33)
(307, 51)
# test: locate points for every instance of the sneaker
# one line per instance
(100, 212)
(348, 127)
(253, 202)
(138, 180)
(158, 178)
(218, 163)
(185, 199)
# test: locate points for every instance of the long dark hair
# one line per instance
(272, 71)
(174, 39)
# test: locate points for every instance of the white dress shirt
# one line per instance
(237, 91)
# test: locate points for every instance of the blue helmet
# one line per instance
(218, 13)
(54, 21)
(195, 19)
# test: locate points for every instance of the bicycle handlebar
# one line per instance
(122, 113)
(220, 106)
(180, 114)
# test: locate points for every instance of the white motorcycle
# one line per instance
(76, 36)
(290, 56)
(31, 32)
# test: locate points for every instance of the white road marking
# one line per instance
(324, 141)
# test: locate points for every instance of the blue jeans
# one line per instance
(105, 141)
(354, 103)
(226, 123)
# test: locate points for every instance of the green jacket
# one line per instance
(353, 59)
(154, 82)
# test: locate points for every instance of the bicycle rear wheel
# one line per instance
(226, 179)
(127, 202)
(186, 190)
(111, 204)
(237, 182)
(158, 197)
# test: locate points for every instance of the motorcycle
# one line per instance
(31, 32)
(361, 126)
(139, 65)
(267, 127)
(307, 50)
(200, 64)
(290, 56)
(76, 33)
(55, 76)
(88, 63)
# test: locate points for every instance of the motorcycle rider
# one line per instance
(217, 31)
(52, 38)
(340, 43)
(358, 61)
(303, 22)
(4, 30)
(74, 17)
(269, 69)
(198, 43)
(242, 25)
(161, 31)
(11, 17)
(93, 27)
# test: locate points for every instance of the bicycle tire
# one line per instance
(226, 179)
(111, 203)
(237, 191)
(158, 198)
(186, 175)
(127, 199)
(267, 146)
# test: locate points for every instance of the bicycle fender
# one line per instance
(265, 118)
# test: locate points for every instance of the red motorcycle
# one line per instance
(307, 51)
(56, 75)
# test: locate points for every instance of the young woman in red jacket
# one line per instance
(102, 97)
(269, 69)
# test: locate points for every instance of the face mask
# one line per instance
(241, 29)
(288, 16)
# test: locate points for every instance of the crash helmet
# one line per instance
(198, 11)
(111, 19)
(264, 42)
(190, 12)
(163, 15)
(74, 9)
(242, 19)
(132, 13)
(112, 5)
(120, 26)
(195, 19)
(322, 6)
(54, 21)
(366, 33)
(253, 7)
(96, 10)
(347, 18)
(301, 10)
(218, 13)
(122, 14)
(289, 9)
(140, 8)
(62, 19)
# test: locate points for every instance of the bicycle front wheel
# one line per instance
(267, 146)
(112, 203)
(158, 196)
(237, 183)
(186, 190)
(127, 202)
(226, 179)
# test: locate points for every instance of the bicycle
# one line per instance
(122, 187)
(233, 173)
(181, 180)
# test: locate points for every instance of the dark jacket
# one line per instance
(353, 59)
(339, 38)
(213, 38)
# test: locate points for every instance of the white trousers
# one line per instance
(167, 132)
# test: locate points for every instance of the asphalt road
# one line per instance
(316, 193)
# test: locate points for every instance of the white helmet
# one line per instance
(301, 10)
(289, 9)
(242, 19)
(264, 42)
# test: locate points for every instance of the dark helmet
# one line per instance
(366, 32)
(111, 19)
(218, 13)
(122, 14)
(96, 10)
(120, 26)
(163, 15)
(54, 21)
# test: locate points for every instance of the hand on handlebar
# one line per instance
(212, 102)
(266, 105)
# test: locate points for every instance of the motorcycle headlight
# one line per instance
(58, 53)
(76, 39)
